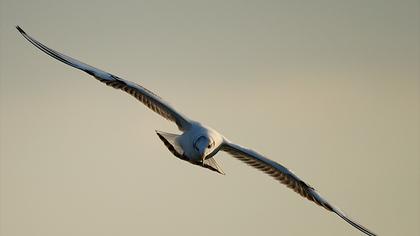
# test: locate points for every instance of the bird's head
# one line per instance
(204, 145)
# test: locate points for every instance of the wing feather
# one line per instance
(288, 178)
(145, 96)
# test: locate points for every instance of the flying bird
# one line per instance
(198, 143)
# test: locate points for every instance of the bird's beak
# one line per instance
(202, 157)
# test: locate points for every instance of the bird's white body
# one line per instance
(198, 143)
(192, 134)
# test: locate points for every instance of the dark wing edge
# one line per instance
(148, 98)
(288, 178)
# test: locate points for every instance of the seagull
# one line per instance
(198, 143)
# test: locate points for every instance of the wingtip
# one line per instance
(20, 29)
(353, 223)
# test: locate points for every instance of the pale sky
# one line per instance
(330, 89)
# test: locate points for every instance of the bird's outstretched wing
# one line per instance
(148, 98)
(287, 177)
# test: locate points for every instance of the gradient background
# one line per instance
(328, 88)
